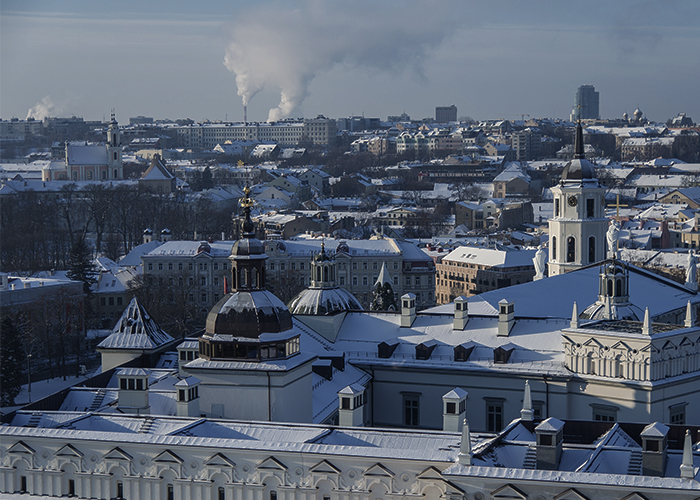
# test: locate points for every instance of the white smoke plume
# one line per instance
(41, 109)
(285, 49)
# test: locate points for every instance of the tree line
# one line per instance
(40, 229)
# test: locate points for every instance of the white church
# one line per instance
(513, 393)
(90, 161)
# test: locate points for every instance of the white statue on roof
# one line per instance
(540, 261)
(612, 236)
(691, 275)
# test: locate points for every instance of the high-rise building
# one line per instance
(586, 104)
(444, 114)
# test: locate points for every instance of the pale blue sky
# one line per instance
(499, 58)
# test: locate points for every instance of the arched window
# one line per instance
(318, 273)
(75, 175)
(618, 287)
(115, 156)
(591, 249)
(570, 249)
(554, 248)
(610, 288)
(254, 278)
(325, 273)
(104, 175)
(115, 173)
(89, 175)
(242, 280)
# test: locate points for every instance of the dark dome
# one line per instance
(323, 301)
(249, 247)
(248, 314)
(578, 169)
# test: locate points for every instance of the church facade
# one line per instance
(89, 161)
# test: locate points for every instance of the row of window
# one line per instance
(110, 300)
(203, 266)
(192, 393)
(131, 384)
(571, 249)
(493, 408)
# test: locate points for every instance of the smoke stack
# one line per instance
(245, 113)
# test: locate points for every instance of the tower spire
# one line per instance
(578, 142)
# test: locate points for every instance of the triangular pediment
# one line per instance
(378, 470)
(325, 467)
(622, 346)
(168, 457)
(20, 447)
(68, 451)
(571, 494)
(668, 346)
(117, 454)
(219, 460)
(634, 496)
(686, 342)
(592, 342)
(430, 473)
(272, 463)
(508, 491)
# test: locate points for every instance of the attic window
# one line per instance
(501, 356)
(386, 350)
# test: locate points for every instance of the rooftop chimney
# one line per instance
(408, 310)
(654, 447)
(461, 313)
(550, 439)
(351, 400)
(133, 391)
(454, 409)
(188, 397)
(506, 317)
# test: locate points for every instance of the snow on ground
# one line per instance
(44, 388)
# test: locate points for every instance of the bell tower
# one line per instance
(577, 229)
(114, 151)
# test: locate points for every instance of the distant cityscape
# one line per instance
(327, 308)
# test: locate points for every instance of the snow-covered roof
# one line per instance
(135, 330)
(86, 154)
(553, 297)
(512, 171)
(492, 257)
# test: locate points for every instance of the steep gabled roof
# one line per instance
(136, 330)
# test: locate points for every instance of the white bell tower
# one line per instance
(114, 150)
(577, 230)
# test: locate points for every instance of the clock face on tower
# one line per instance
(572, 201)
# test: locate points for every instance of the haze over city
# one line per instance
(492, 59)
